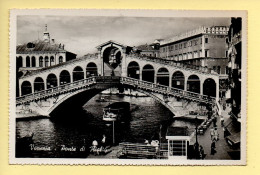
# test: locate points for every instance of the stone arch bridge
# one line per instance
(176, 86)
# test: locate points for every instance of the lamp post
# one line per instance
(197, 155)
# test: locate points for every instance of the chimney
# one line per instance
(63, 46)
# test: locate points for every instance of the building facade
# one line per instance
(40, 54)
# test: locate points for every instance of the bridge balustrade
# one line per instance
(58, 89)
(124, 80)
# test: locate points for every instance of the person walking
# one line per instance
(212, 132)
(213, 146)
(215, 134)
(222, 121)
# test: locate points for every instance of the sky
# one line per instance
(82, 34)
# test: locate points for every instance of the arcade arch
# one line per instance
(148, 73)
(112, 56)
(26, 88)
(209, 87)
(64, 77)
(193, 84)
(51, 81)
(91, 69)
(78, 73)
(163, 76)
(178, 80)
(133, 70)
(38, 84)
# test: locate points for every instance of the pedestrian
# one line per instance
(214, 121)
(202, 154)
(213, 146)
(222, 121)
(103, 141)
(211, 132)
(216, 135)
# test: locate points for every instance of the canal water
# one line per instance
(66, 136)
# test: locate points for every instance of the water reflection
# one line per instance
(78, 131)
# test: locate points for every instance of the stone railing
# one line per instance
(199, 69)
(167, 90)
(56, 90)
(109, 80)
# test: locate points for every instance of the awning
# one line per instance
(233, 139)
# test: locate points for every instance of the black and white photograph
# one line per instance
(128, 87)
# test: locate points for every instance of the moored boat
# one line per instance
(116, 111)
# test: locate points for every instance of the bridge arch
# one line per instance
(78, 73)
(133, 70)
(209, 87)
(26, 88)
(148, 73)
(91, 69)
(178, 80)
(163, 76)
(38, 84)
(193, 83)
(64, 77)
(51, 81)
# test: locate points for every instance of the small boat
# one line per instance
(116, 111)
(101, 99)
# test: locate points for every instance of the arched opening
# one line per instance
(178, 80)
(51, 61)
(133, 70)
(41, 61)
(91, 69)
(33, 62)
(26, 88)
(112, 56)
(51, 81)
(38, 84)
(28, 61)
(64, 77)
(148, 73)
(19, 62)
(60, 59)
(193, 84)
(46, 61)
(78, 73)
(163, 76)
(209, 87)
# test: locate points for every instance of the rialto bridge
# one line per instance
(51, 89)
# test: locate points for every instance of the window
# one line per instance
(41, 61)
(227, 70)
(195, 54)
(28, 62)
(176, 47)
(206, 53)
(218, 70)
(206, 40)
(185, 45)
(51, 60)
(46, 61)
(61, 59)
(195, 42)
(180, 46)
(33, 62)
(214, 68)
(177, 148)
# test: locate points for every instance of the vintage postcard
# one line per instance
(127, 87)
